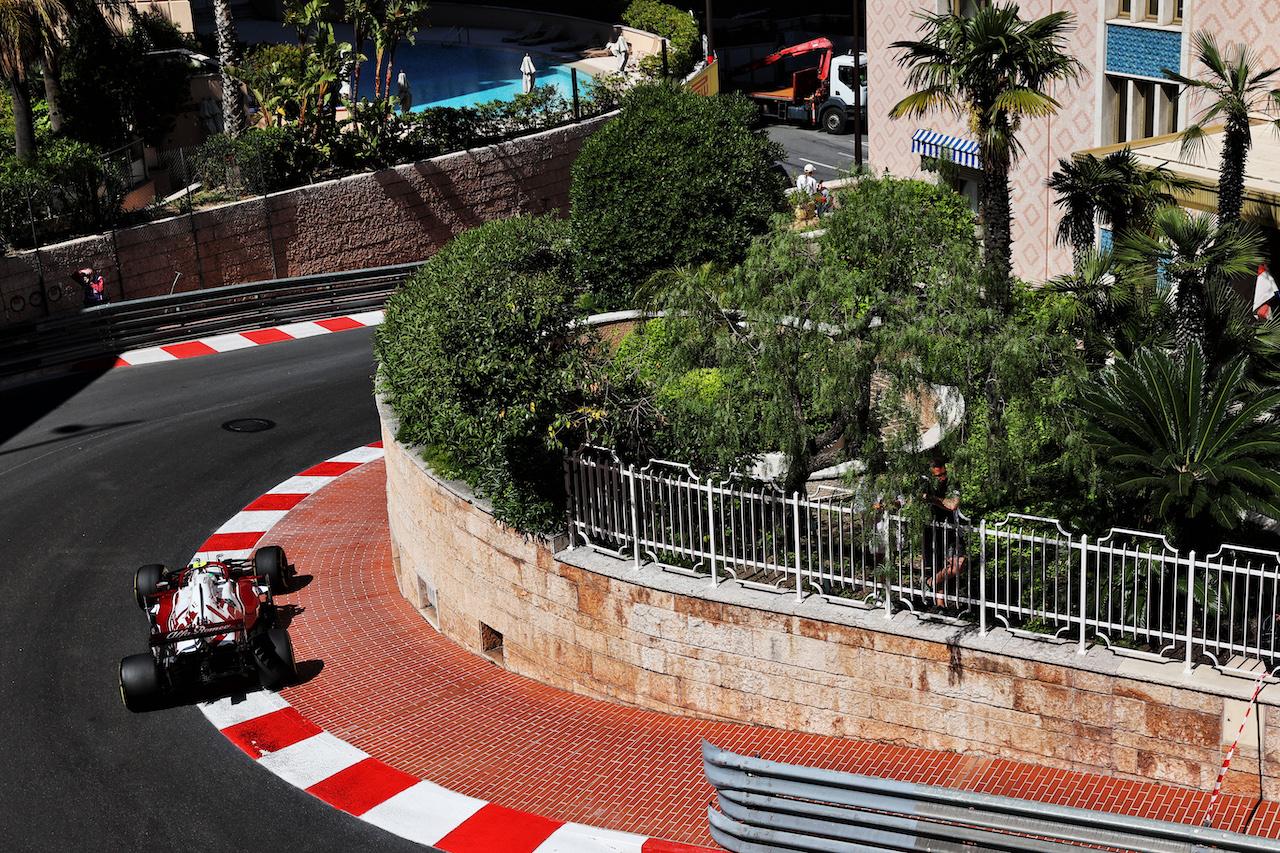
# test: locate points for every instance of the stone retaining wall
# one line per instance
(393, 216)
(595, 625)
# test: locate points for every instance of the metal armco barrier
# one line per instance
(84, 336)
(771, 807)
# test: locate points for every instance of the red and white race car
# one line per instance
(210, 621)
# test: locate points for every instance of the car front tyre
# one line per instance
(146, 582)
(140, 685)
(271, 563)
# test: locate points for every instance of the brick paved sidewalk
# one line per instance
(378, 676)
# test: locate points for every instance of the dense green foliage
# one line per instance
(479, 357)
(779, 354)
(1196, 252)
(677, 179)
(676, 26)
(114, 88)
(66, 178)
(908, 252)
(1116, 190)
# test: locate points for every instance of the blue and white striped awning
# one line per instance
(930, 144)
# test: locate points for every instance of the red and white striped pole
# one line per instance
(1217, 787)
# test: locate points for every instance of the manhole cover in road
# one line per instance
(248, 425)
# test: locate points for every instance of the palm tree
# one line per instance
(232, 100)
(1112, 310)
(1195, 252)
(23, 28)
(400, 20)
(1116, 190)
(1234, 90)
(997, 69)
(1185, 442)
(362, 15)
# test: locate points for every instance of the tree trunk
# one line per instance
(997, 218)
(1235, 150)
(232, 101)
(52, 92)
(24, 134)
(1189, 307)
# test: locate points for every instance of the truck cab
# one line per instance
(846, 72)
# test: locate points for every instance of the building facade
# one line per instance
(1121, 97)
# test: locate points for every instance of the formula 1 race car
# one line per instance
(210, 621)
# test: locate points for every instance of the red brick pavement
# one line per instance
(377, 675)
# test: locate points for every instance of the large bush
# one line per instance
(479, 355)
(676, 179)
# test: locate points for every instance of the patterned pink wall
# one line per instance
(1255, 23)
(1035, 257)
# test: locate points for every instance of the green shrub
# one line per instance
(257, 161)
(675, 25)
(891, 228)
(478, 357)
(67, 187)
(676, 179)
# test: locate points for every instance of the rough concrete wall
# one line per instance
(671, 643)
(393, 216)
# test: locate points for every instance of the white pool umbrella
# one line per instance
(528, 72)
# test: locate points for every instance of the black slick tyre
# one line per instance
(833, 121)
(140, 686)
(274, 656)
(146, 582)
(271, 563)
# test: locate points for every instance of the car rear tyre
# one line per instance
(274, 656)
(147, 581)
(833, 121)
(271, 563)
(140, 685)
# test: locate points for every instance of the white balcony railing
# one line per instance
(1128, 589)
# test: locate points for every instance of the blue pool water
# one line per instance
(463, 75)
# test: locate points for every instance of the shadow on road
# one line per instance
(23, 405)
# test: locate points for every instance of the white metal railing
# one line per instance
(1130, 590)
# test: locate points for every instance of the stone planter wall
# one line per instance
(597, 626)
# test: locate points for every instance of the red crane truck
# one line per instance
(821, 95)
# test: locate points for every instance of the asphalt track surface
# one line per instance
(100, 473)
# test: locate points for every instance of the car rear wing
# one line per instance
(195, 632)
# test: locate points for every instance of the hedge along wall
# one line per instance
(594, 625)
(393, 216)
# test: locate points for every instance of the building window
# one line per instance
(1120, 95)
(1144, 105)
(1177, 12)
(1137, 109)
(1126, 9)
(1153, 10)
(1169, 121)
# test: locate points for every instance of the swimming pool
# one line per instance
(463, 75)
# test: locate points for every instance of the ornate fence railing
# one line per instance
(1128, 589)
